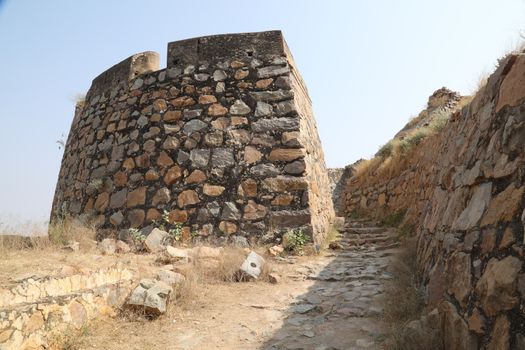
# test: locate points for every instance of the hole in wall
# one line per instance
(249, 53)
(253, 264)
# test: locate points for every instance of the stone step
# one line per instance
(367, 230)
(369, 240)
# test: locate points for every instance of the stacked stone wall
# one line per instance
(463, 191)
(223, 140)
(38, 313)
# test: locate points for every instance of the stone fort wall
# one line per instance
(463, 190)
(223, 139)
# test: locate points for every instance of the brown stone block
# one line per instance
(504, 207)
(286, 154)
(187, 197)
(172, 175)
(197, 176)
(136, 197)
(172, 116)
(212, 190)
(177, 215)
(207, 99)
(136, 217)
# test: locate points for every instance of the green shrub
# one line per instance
(295, 240)
(394, 219)
(439, 122)
(385, 151)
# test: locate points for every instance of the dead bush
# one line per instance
(403, 303)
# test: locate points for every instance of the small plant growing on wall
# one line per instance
(295, 240)
(164, 224)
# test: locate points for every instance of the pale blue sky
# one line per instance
(369, 66)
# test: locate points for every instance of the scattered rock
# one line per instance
(150, 297)
(108, 246)
(170, 277)
(156, 241)
(274, 278)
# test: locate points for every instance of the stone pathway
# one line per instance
(342, 309)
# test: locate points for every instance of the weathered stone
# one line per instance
(283, 82)
(230, 212)
(273, 96)
(164, 160)
(470, 217)
(456, 335)
(263, 83)
(499, 339)
(222, 157)
(217, 110)
(239, 108)
(239, 136)
(213, 138)
(264, 170)
(276, 124)
(173, 174)
(207, 99)
(150, 297)
(272, 71)
(162, 196)
(476, 322)
(285, 108)
(249, 188)
(177, 215)
(107, 246)
(156, 241)
(118, 199)
(200, 158)
(136, 197)
(263, 109)
(512, 89)
(189, 114)
(196, 176)
(102, 202)
(136, 217)
(497, 286)
(193, 126)
(177, 253)
(285, 183)
(291, 139)
(152, 215)
(458, 276)
(252, 155)
(116, 218)
(241, 74)
(160, 105)
(212, 190)
(170, 277)
(254, 211)
(172, 116)
(219, 75)
(504, 207)
(283, 200)
(295, 168)
(289, 218)
(227, 227)
(187, 197)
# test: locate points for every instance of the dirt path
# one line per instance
(327, 302)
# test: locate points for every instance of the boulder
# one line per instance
(170, 277)
(177, 253)
(108, 246)
(150, 297)
(497, 287)
(156, 241)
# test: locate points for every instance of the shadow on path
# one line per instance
(342, 309)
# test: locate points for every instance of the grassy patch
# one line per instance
(400, 311)
(394, 219)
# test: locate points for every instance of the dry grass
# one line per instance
(68, 338)
(403, 303)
